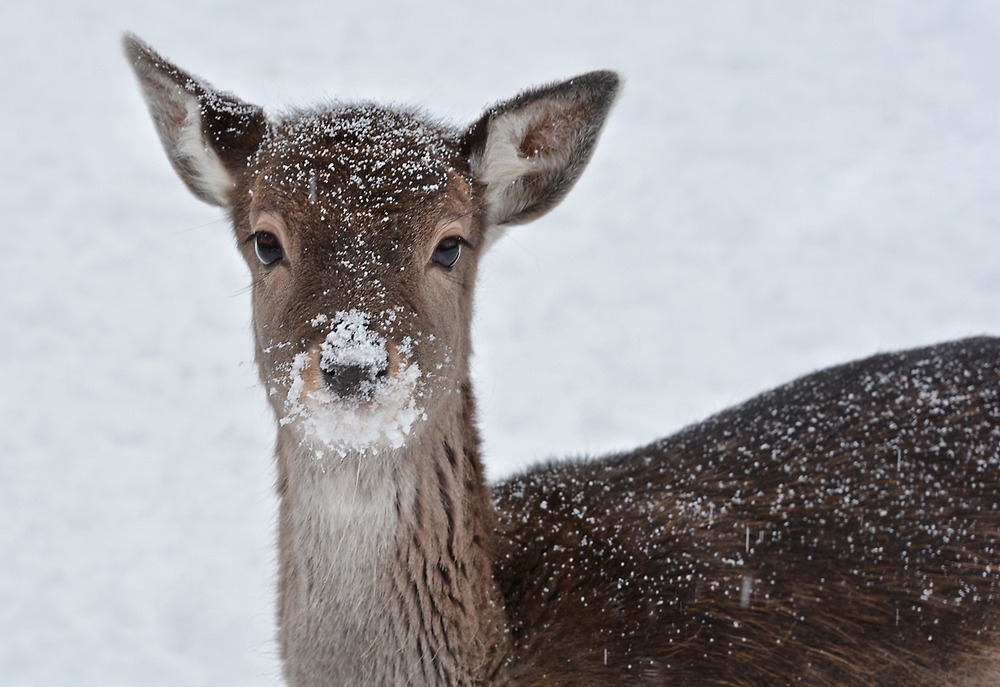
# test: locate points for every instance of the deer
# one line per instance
(841, 529)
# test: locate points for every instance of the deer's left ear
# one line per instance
(208, 135)
(528, 152)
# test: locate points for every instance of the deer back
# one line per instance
(839, 530)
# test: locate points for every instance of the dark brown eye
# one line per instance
(267, 247)
(447, 252)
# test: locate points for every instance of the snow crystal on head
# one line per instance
(364, 160)
(384, 412)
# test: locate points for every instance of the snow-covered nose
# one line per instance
(353, 358)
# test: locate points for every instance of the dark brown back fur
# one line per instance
(839, 530)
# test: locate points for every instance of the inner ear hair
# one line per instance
(208, 135)
(528, 152)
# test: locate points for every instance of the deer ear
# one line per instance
(208, 135)
(528, 152)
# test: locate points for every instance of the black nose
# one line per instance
(352, 380)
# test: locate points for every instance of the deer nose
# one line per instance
(352, 380)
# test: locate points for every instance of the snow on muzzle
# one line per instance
(355, 391)
(353, 358)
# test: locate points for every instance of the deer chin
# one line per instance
(383, 419)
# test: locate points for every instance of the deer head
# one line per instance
(362, 226)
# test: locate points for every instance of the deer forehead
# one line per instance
(360, 165)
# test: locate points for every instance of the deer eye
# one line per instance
(268, 248)
(447, 252)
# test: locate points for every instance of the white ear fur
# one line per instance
(177, 114)
(188, 147)
(501, 164)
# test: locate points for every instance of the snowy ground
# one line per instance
(784, 185)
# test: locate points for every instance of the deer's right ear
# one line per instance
(528, 152)
(208, 135)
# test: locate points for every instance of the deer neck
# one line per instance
(386, 562)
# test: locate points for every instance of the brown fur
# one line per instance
(839, 530)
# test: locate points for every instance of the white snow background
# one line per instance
(784, 185)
